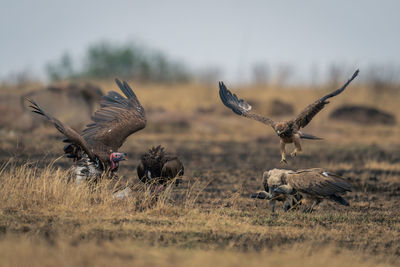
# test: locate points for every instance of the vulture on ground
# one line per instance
(158, 167)
(290, 201)
(288, 131)
(313, 185)
(95, 150)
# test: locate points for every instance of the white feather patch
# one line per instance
(325, 174)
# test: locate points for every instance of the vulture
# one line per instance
(290, 201)
(95, 150)
(314, 185)
(288, 131)
(158, 167)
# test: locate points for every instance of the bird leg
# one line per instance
(310, 209)
(297, 149)
(282, 146)
(294, 205)
(272, 204)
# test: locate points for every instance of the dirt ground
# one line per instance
(209, 218)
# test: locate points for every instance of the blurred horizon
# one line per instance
(303, 43)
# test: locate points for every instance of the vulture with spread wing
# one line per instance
(314, 185)
(288, 131)
(157, 167)
(95, 150)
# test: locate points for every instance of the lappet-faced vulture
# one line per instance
(288, 131)
(95, 151)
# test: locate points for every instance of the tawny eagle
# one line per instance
(288, 131)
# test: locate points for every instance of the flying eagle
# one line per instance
(157, 167)
(95, 150)
(314, 185)
(288, 131)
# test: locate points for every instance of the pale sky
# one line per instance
(232, 35)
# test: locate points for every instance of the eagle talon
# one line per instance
(293, 154)
(283, 160)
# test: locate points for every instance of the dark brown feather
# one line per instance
(157, 166)
(318, 182)
(117, 118)
(310, 111)
(239, 106)
(72, 136)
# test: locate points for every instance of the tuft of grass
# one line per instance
(39, 206)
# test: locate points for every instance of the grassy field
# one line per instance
(209, 219)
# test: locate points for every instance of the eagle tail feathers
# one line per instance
(309, 136)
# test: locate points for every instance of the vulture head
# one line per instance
(274, 179)
(115, 158)
(273, 182)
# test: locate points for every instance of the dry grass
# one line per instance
(209, 219)
(38, 206)
(26, 252)
(379, 165)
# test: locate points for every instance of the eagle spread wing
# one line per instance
(318, 182)
(117, 118)
(310, 111)
(239, 106)
(72, 136)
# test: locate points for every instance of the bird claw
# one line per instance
(293, 154)
(283, 160)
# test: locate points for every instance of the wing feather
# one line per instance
(311, 110)
(71, 135)
(318, 182)
(117, 118)
(239, 106)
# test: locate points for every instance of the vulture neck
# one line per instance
(114, 164)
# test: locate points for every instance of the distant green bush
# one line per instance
(127, 61)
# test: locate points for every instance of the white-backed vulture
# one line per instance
(290, 201)
(313, 185)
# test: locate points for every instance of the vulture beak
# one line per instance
(279, 190)
(123, 157)
(119, 156)
(261, 195)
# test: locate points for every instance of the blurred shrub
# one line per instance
(62, 69)
(127, 61)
